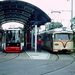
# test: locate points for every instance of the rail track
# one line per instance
(8, 56)
(53, 65)
(62, 67)
(53, 57)
(2, 54)
(57, 59)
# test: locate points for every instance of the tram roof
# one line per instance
(57, 30)
(13, 29)
(60, 30)
(22, 12)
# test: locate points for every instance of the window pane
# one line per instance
(63, 36)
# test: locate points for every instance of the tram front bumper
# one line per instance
(12, 49)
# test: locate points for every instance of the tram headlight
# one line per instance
(17, 44)
(56, 44)
(8, 44)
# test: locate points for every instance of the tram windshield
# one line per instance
(12, 36)
(63, 36)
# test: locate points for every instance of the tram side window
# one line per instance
(44, 37)
(70, 36)
(48, 37)
(8, 36)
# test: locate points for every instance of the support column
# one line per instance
(32, 39)
(35, 38)
(24, 47)
(0, 43)
(28, 40)
(1, 39)
(24, 37)
(36, 23)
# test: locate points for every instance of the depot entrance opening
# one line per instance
(24, 13)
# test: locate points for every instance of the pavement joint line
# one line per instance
(39, 55)
(29, 55)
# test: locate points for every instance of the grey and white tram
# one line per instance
(58, 40)
(12, 40)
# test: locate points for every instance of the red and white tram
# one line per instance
(12, 40)
(58, 40)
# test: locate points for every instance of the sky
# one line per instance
(64, 6)
(11, 25)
